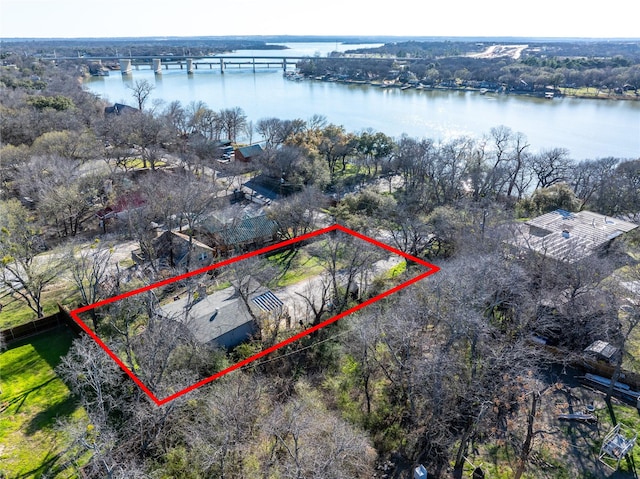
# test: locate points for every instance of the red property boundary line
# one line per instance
(431, 269)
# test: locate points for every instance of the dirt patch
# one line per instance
(570, 448)
(497, 51)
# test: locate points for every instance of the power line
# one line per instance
(266, 361)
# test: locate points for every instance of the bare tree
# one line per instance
(276, 132)
(551, 167)
(94, 377)
(89, 268)
(234, 122)
(297, 214)
(348, 263)
(140, 91)
(24, 273)
(307, 440)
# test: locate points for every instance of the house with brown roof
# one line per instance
(172, 248)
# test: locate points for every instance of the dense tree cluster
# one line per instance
(612, 67)
(426, 375)
(195, 46)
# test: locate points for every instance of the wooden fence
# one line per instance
(60, 319)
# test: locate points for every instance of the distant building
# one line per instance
(569, 237)
(222, 318)
(119, 109)
(247, 153)
(171, 248)
(120, 209)
(240, 234)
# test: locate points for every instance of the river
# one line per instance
(587, 128)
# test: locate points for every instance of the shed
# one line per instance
(602, 350)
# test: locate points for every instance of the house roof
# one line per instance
(119, 108)
(247, 230)
(601, 348)
(268, 302)
(167, 243)
(194, 241)
(567, 236)
(250, 151)
(217, 313)
(129, 201)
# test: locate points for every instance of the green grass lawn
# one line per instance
(295, 267)
(32, 399)
(15, 311)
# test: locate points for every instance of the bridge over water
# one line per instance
(190, 64)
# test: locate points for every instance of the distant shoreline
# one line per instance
(541, 95)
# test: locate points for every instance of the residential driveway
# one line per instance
(297, 297)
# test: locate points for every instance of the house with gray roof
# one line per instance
(567, 236)
(222, 318)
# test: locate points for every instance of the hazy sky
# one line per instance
(120, 18)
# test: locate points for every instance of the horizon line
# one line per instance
(369, 38)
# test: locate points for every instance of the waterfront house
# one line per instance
(569, 237)
(119, 109)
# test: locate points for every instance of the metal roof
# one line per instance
(247, 230)
(568, 236)
(268, 302)
(250, 151)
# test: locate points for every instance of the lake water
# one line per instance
(587, 128)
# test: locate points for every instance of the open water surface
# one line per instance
(587, 128)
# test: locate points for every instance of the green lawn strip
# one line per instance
(32, 399)
(302, 266)
(15, 311)
(396, 270)
(138, 163)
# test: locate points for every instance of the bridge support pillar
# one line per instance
(221, 65)
(157, 66)
(125, 66)
(189, 65)
(284, 65)
(253, 63)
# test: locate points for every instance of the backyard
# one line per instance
(32, 398)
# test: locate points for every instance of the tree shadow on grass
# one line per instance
(18, 401)
(48, 417)
(52, 346)
(48, 466)
(285, 262)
